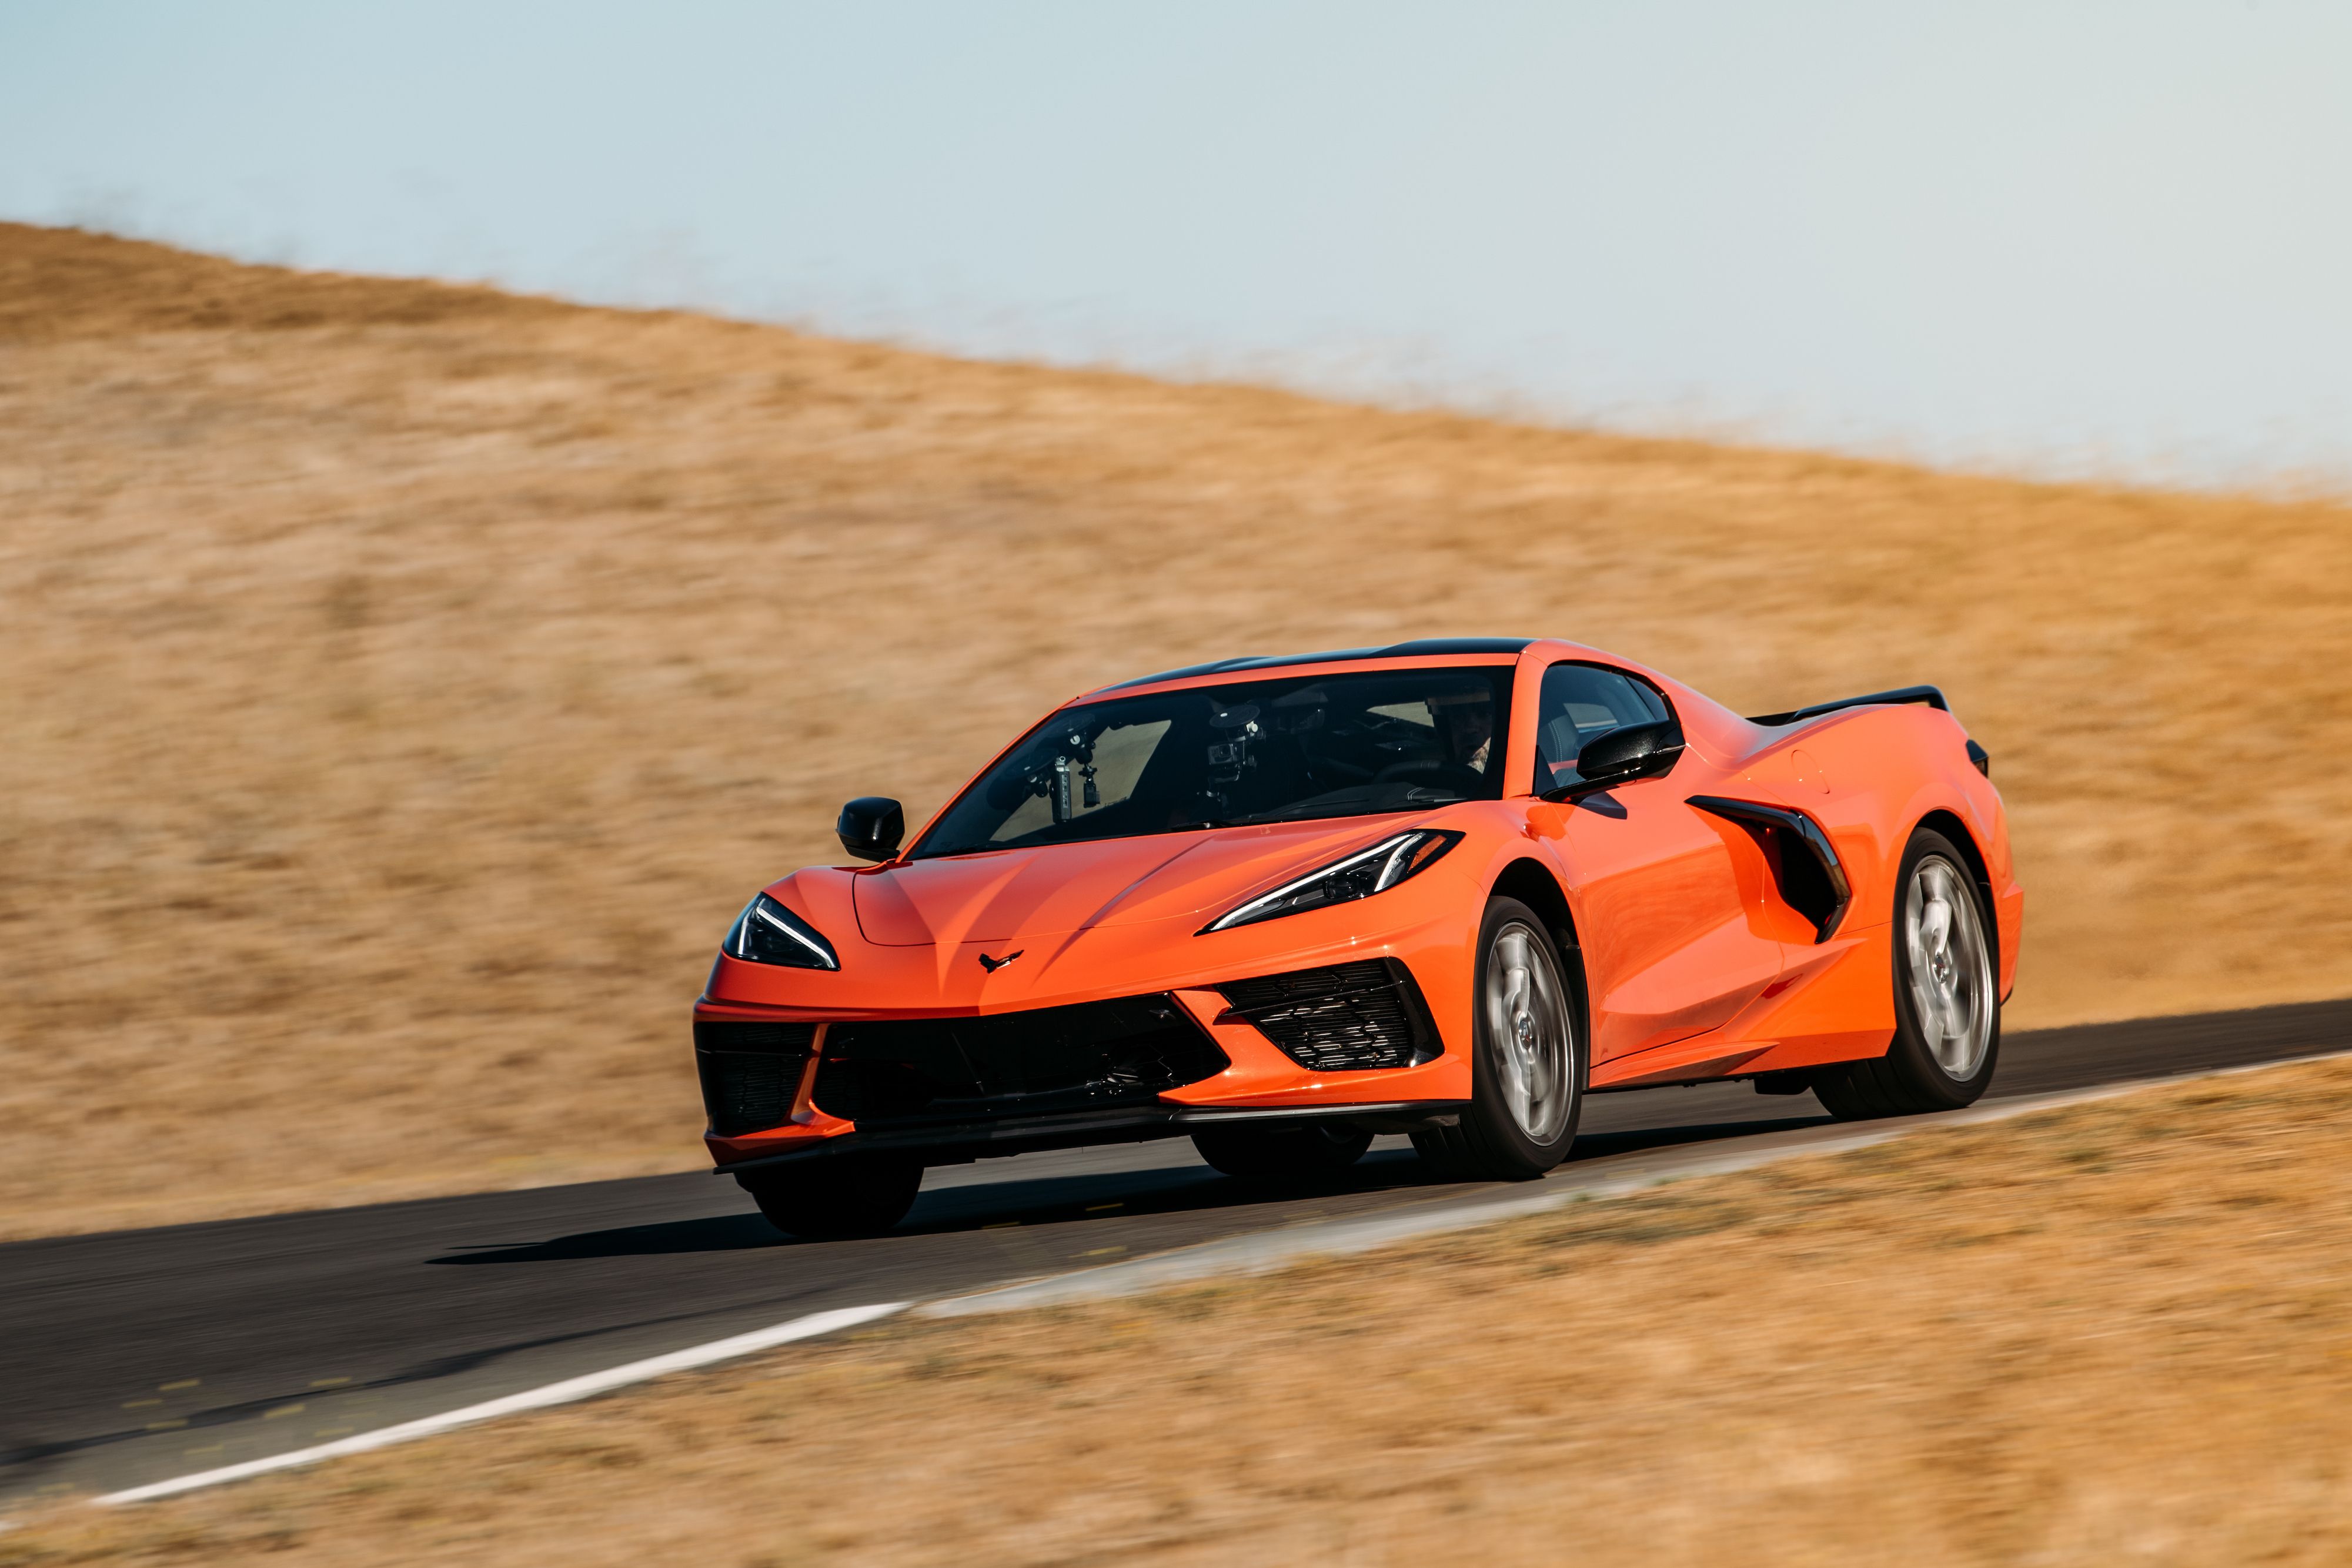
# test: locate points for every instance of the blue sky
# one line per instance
(2110, 238)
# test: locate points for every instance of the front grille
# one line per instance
(750, 1072)
(1044, 1062)
(1347, 1018)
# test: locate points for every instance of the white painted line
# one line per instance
(563, 1393)
(1265, 1251)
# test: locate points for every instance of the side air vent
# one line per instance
(1805, 865)
(750, 1072)
(1346, 1018)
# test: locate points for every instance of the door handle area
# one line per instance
(1814, 883)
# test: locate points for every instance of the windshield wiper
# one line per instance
(1414, 802)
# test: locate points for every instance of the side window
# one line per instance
(1578, 701)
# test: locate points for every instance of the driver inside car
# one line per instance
(1467, 720)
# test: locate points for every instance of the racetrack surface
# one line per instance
(129, 1357)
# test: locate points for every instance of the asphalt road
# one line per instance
(132, 1356)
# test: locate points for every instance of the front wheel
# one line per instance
(831, 1197)
(1527, 1066)
(1947, 1000)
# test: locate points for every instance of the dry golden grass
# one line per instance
(2116, 1332)
(405, 684)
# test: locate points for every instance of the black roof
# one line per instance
(1423, 648)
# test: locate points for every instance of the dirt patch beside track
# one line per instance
(405, 684)
(2106, 1332)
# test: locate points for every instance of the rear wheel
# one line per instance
(841, 1195)
(1283, 1152)
(1947, 1001)
(1527, 1059)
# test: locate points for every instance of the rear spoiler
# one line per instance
(1932, 695)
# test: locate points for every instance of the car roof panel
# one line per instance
(1421, 648)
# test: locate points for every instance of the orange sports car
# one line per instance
(1445, 888)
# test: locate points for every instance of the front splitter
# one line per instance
(954, 1143)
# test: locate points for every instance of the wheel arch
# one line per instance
(1951, 825)
(1533, 885)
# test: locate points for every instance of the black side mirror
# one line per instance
(871, 827)
(1631, 751)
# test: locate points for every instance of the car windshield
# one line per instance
(1255, 751)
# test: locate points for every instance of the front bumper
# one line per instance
(1354, 1040)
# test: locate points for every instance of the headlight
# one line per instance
(1360, 875)
(768, 933)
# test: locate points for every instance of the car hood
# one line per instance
(1007, 893)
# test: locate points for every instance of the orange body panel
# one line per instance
(1691, 965)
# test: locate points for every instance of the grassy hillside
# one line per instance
(403, 683)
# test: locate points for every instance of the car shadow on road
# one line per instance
(1602, 1145)
(714, 1233)
(1048, 1201)
(1071, 1199)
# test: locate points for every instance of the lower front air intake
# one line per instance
(750, 1072)
(1348, 1017)
(910, 1072)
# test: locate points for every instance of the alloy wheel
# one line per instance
(1529, 1041)
(1951, 966)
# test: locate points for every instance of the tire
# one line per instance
(1528, 1058)
(842, 1196)
(1283, 1154)
(1947, 997)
